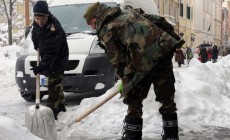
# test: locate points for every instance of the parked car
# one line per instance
(89, 73)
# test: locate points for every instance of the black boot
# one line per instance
(62, 108)
(132, 129)
(170, 127)
(58, 110)
(55, 111)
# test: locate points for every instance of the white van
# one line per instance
(89, 72)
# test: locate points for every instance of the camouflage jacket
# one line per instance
(133, 43)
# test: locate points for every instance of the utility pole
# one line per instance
(27, 13)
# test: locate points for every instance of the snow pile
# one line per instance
(7, 70)
(10, 130)
(8, 56)
(11, 51)
(203, 94)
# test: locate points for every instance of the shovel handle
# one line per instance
(37, 103)
(99, 104)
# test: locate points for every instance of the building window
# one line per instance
(181, 9)
(188, 12)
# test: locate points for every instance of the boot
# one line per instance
(58, 110)
(170, 127)
(55, 111)
(132, 129)
(62, 108)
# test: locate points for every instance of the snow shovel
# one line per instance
(40, 119)
(96, 106)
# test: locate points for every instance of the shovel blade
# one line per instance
(41, 122)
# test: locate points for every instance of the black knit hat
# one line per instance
(41, 8)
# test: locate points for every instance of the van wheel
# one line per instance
(30, 97)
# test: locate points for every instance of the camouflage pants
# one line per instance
(162, 77)
(55, 91)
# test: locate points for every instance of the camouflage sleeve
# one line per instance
(115, 50)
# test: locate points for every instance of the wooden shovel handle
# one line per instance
(37, 103)
(96, 106)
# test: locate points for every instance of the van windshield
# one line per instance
(71, 17)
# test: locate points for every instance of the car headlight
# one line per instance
(95, 48)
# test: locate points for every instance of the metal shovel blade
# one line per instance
(41, 122)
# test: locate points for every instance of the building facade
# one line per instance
(204, 21)
(169, 10)
(225, 24)
(218, 23)
(186, 22)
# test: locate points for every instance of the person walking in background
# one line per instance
(179, 57)
(50, 40)
(215, 53)
(209, 51)
(203, 54)
(189, 54)
(141, 53)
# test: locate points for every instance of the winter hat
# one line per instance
(91, 12)
(41, 8)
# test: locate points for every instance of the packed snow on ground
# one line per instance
(11, 130)
(202, 97)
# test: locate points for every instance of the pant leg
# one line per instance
(62, 97)
(133, 122)
(165, 90)
(55, 91)
(164, 87)
(135, 97)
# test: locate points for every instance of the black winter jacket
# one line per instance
(52, 43)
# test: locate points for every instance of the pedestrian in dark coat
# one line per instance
(142, 54)
(179, 57)
(215, 53)
(203, 54)
(49, 38)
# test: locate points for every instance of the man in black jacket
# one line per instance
(49, 38)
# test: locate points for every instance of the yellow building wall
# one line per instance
(186, 26)
(161, 4)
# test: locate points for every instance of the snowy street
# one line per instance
(13, 106)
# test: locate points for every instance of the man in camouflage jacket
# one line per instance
(141, 53)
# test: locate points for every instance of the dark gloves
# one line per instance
(36, 70)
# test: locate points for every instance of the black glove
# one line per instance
(36, 70)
